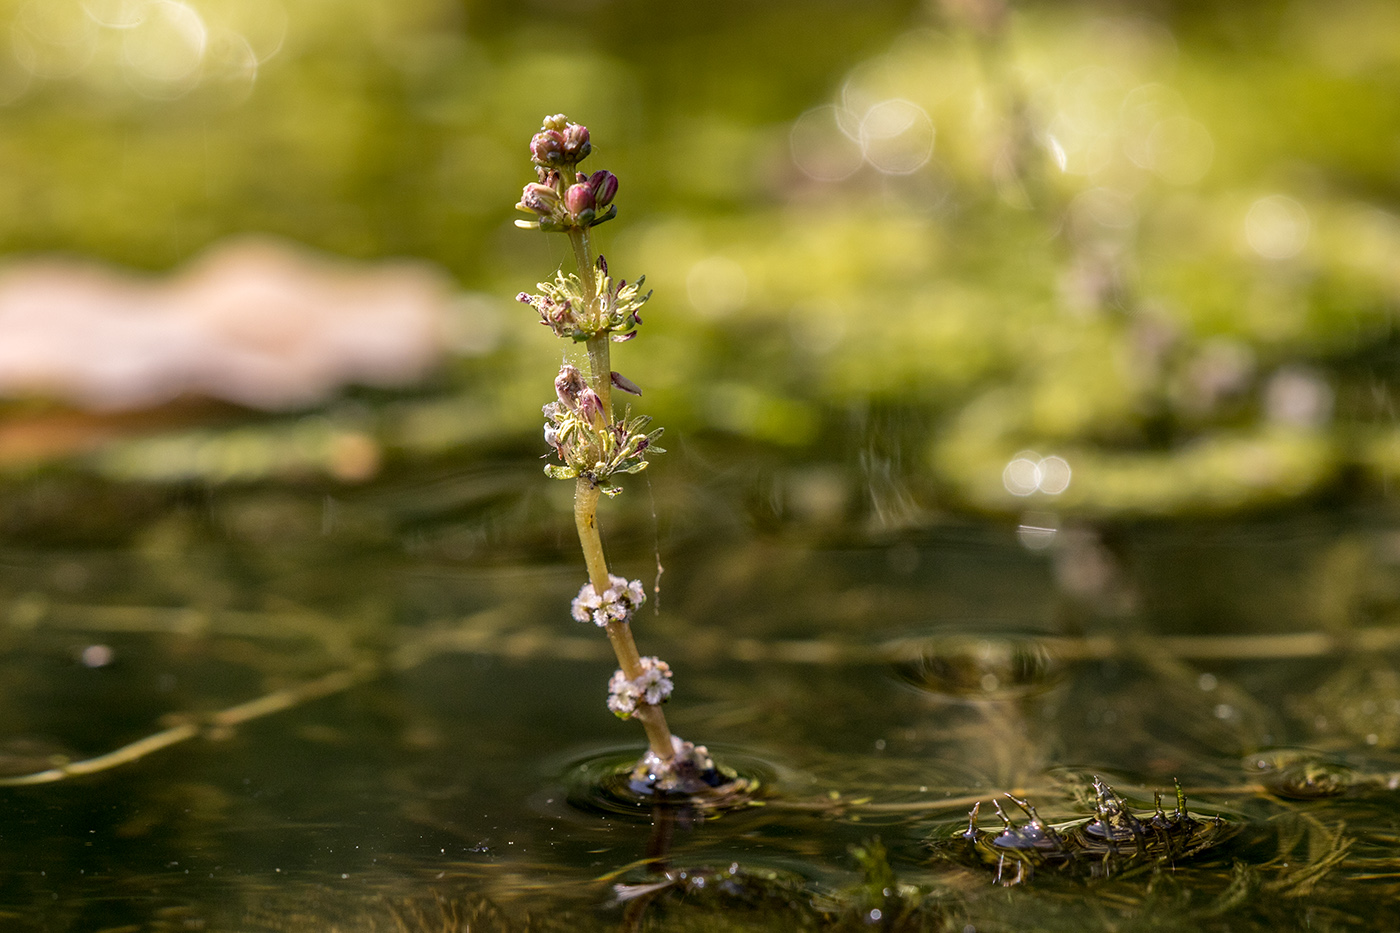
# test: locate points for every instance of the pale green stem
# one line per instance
(619, 633)
(599, 350)
(583, 255)
(600, 371)
(586, 520)
(586, 512)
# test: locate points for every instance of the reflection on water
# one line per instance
(381, 737)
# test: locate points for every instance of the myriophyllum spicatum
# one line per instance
(593, 447)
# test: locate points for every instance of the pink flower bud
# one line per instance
(625, 384)
(576, 144)
(577, 199)
(547, 147)
(541, 199)
(590, 407)
(604, 187)
(569, 385)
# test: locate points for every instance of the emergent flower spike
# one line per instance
(592, 446)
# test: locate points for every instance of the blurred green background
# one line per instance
(1096, 259)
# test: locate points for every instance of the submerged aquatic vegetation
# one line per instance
(1114, 841)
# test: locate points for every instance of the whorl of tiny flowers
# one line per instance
(616, 604)
(586, 441)
(563, 308)
(652, 687)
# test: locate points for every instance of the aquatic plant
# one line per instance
(593, 446)
(1115, 840)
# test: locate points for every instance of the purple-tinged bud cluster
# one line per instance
(559, 143)
(652, 687)
(585, 438)
(562, 198)
(615, 604)
(589, 201)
